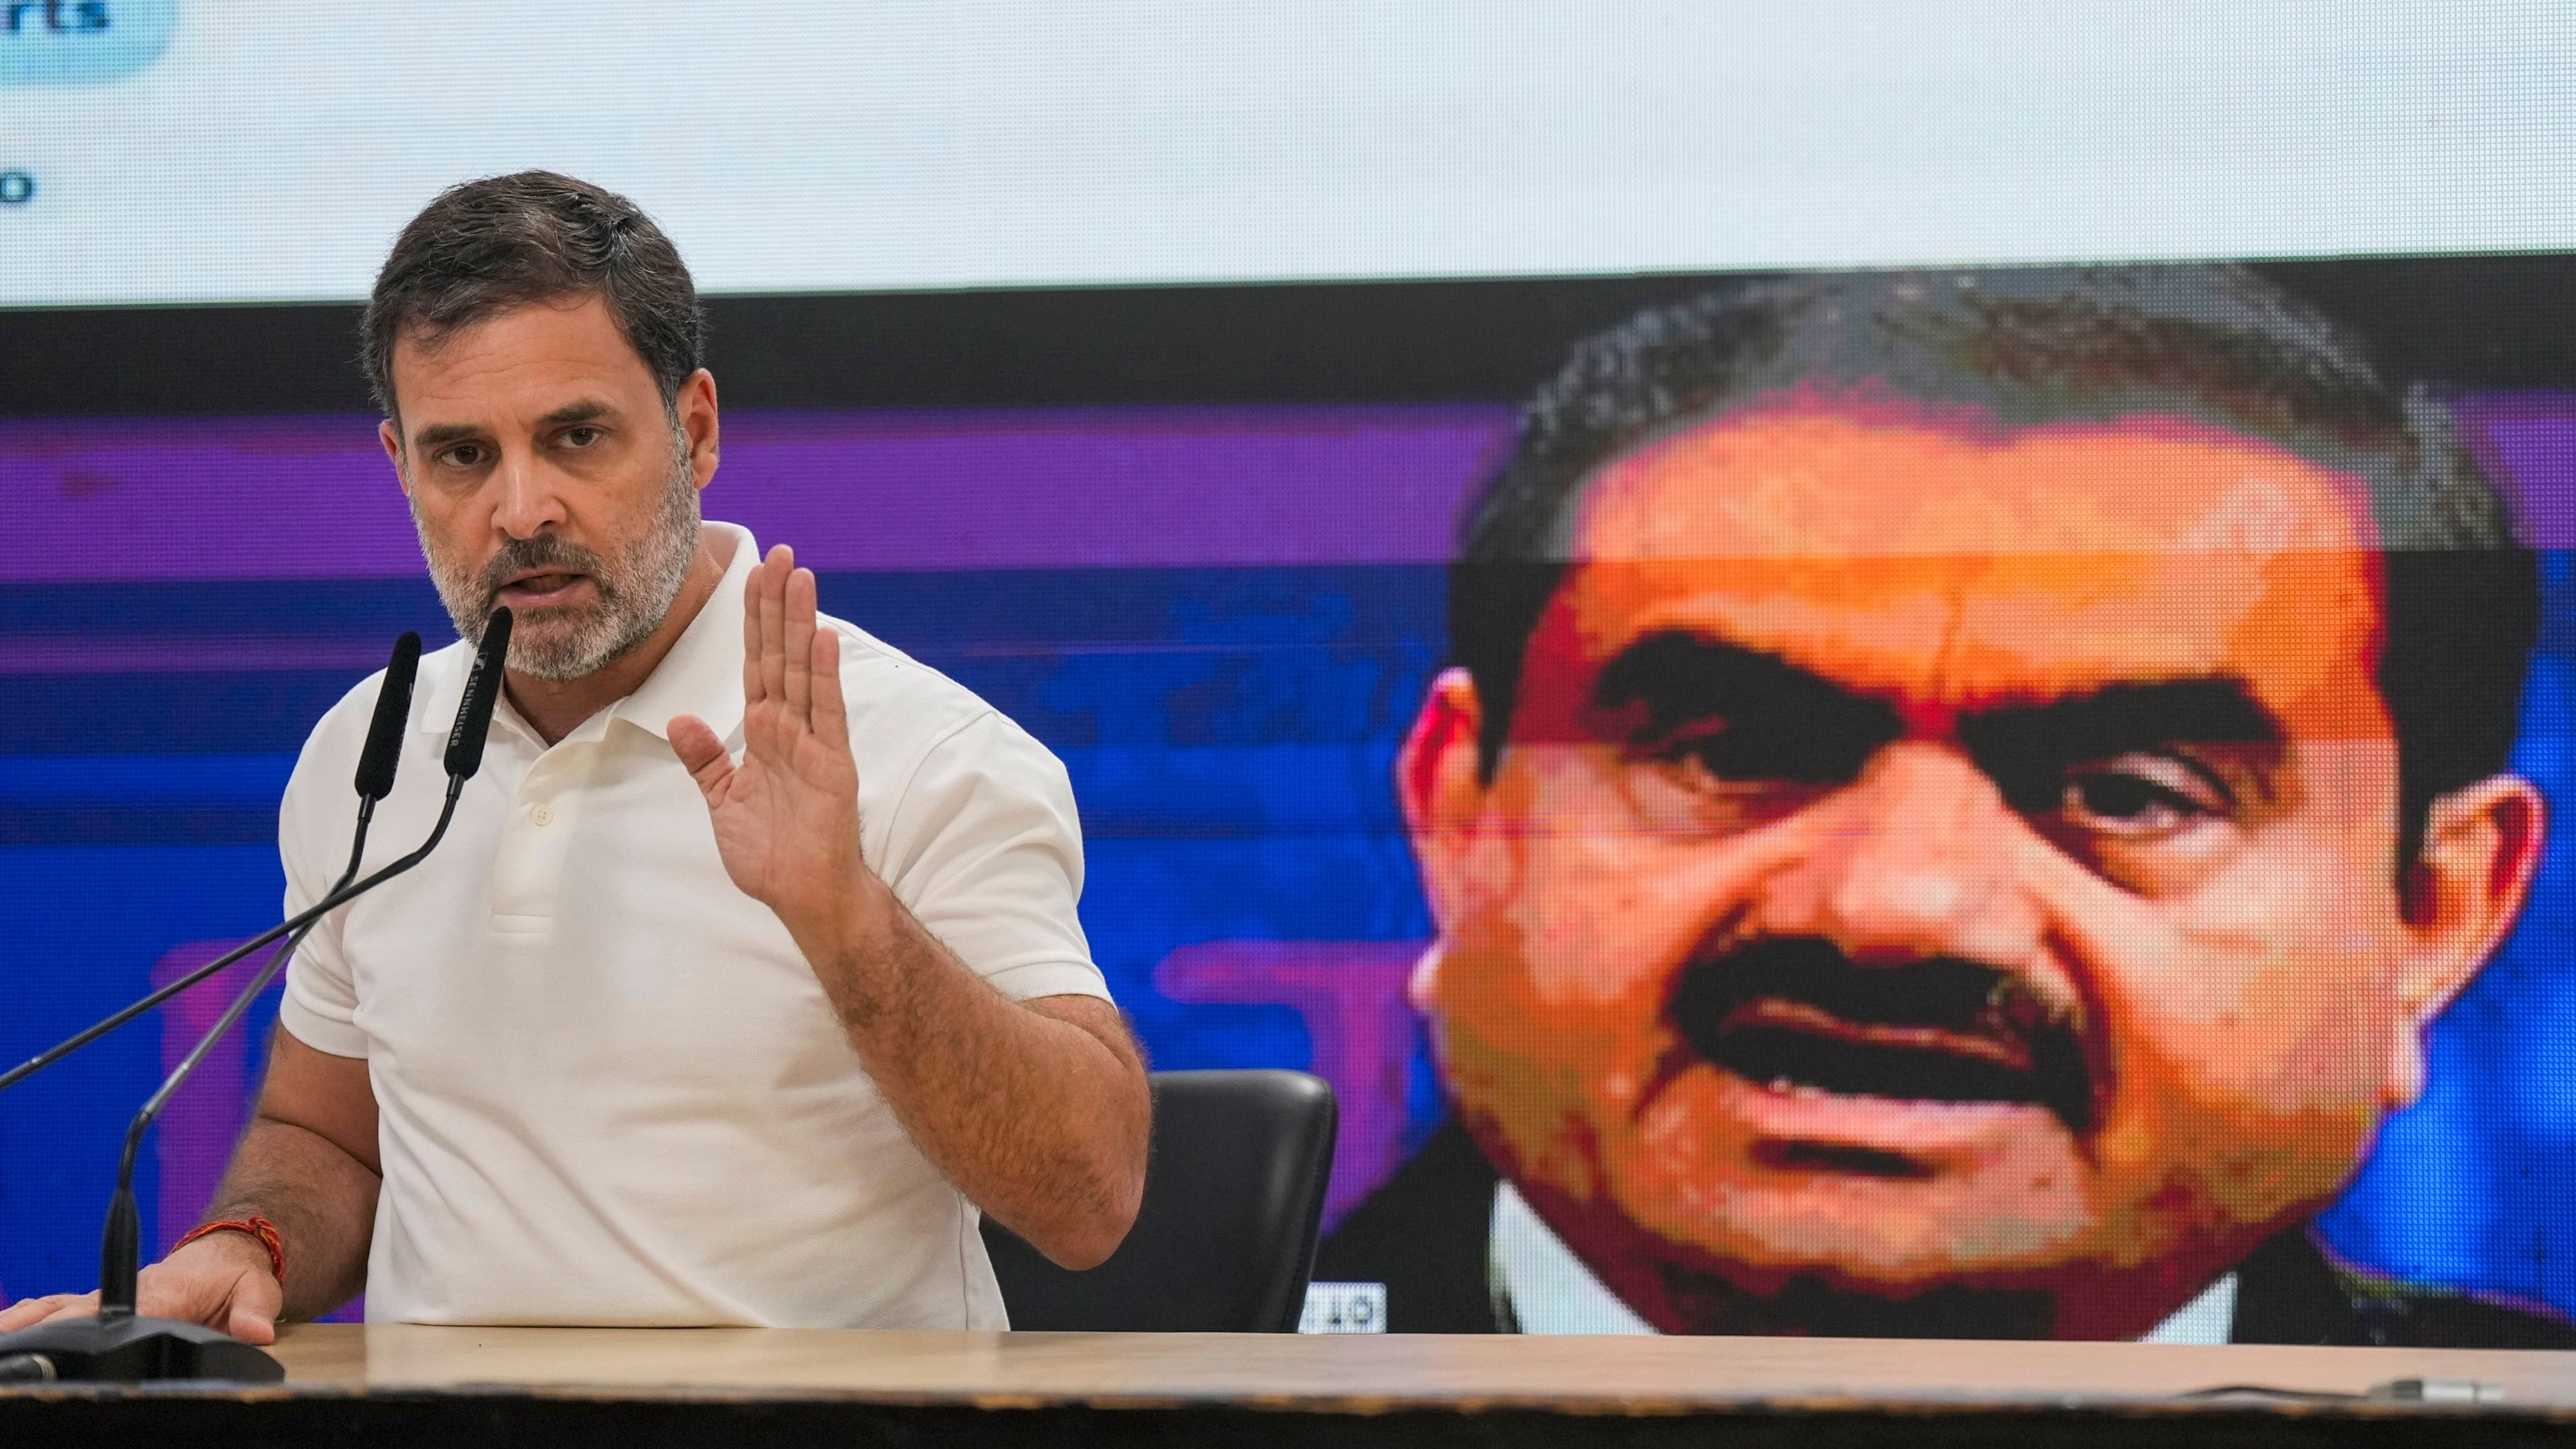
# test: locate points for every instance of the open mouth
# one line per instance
(1796, 1015)
(543, 588)
(1793, 1044)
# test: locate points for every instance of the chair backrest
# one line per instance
(1225, 1239)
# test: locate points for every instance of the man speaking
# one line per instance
(749, 971)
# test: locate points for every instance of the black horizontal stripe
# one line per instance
(2486, 321)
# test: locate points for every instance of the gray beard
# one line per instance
(635, 592)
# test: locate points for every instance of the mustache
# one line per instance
(1796, 1011)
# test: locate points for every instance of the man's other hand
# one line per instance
(221, 1280)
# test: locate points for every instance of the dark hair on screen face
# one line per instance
(2213, 344)
(533, 236)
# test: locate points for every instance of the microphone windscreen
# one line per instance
(393, 711)
(482, 693)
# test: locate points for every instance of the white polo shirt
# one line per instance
(610, 1089)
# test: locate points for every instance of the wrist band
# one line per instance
(258, 1227)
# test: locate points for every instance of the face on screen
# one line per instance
(546, 475)
(1939, 877)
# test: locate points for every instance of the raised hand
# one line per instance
(786, 815)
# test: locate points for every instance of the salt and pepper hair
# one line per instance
(485, 246)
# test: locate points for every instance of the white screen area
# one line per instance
(235, 151)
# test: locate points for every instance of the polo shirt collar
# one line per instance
(702, 675)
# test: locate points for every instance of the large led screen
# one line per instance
(1995, 802)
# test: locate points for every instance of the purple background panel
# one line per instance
(314, 497)
(2530, 437)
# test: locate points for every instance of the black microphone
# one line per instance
(385, 732)
(375, 782)
(482, 693)
(117, 1345)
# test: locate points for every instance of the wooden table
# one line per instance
(391, 1384)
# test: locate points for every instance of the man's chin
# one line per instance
(556, 649)
(1840, 1254)
(1767, 1203)
(1892, 1185)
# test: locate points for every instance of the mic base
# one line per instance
(132, 1351)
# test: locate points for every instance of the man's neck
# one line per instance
(555, 708)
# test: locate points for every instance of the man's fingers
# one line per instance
(702, 753)
(83, 1305)
(256, 1299)
(28, 1311)
(831, 711)
(796, 653)
(252, 1328)
(751, 634)
(773, 621)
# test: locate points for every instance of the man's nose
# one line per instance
(528, 503)
(1912, 860)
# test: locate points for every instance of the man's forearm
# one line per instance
(1039, 1121)
(322, 1200)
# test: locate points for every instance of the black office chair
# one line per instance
(1225, 1240)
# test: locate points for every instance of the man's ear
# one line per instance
(390, 435)
(2461, 894)
(696, 406)
(1440, 787)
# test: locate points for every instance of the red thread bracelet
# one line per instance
(258, 1227)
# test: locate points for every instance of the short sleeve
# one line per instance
(986, 851)
(321, 1002)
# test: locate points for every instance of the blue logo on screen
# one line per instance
(81, 42)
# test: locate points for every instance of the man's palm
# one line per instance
(786, 815)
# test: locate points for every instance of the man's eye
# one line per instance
(579, 437)
(463, 455)
(1700, 785)
(1763, 752)
(2145, 797)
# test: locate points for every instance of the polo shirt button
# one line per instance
(542, 815)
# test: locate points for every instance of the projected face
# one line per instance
(545, 475)
(1941, 881)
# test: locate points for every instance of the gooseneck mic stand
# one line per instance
(119, 1345)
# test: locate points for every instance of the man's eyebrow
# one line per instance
(1773, 720)
(2132, 715)
(1680, 676)
(440, 434)
(577, 412)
